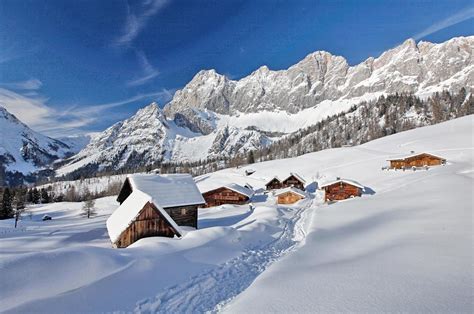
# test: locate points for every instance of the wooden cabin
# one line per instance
(273, 184)
(289, 195)
(416, 160)
(154, 205)
(228, 194)
(341, 189)
(294, 180)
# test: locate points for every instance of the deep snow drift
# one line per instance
(405, 245)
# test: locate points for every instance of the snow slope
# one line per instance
(405, 245)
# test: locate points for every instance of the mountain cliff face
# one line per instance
(22, 150)
(413, 68)
(213, 116)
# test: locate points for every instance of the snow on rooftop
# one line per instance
(348, 181)
(290, 189)
(128, 211)
(413, 155)
(168, 190)
(234, 187)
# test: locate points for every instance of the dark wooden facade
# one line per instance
(289, 198)
(420, 160)
(273, 184)
(149, 223)
(292, 180)
(223, 196)
(125, 191)
(184, 215)
(341, 191)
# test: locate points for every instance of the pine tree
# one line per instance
(19, 205)
(6, 208)
(45, 199)
(36, 196)
(250, 158)
(88, 208)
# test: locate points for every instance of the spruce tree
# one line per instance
(6, 209)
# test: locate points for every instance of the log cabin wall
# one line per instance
(223, 196)
(341, 191)
(416, 161)
(184, 215)
(293, 181)
(288, 198)
(148, 224)
(274, 184)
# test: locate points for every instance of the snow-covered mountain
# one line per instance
(214, 116)
(23, 150)
(416, 68)
(148, 137)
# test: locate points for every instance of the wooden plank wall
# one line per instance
(340, 191)
(288, 198)
(224, 196)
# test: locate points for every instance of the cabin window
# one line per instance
(183, 211)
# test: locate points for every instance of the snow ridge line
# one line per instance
(211, 291)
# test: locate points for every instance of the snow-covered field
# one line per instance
(405, 245)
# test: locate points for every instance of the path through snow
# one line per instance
(211, 291)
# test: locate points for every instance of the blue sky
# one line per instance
(69, 67)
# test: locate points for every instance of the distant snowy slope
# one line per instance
(407, 248)
(24, 150)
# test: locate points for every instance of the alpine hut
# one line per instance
(289, 195)
(416, 160)
(228, 194)
(292, 180)
(154, 205)
(341, 189)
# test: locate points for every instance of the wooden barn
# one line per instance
(154, 205)
(289, 195)
(228, 194)
(273, 184)
(292, 180)
(416, 160)
(341, 189)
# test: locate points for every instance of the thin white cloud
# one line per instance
(459, 17)
(149, 71)
(31, 84)
(137, 19)
(35, 112)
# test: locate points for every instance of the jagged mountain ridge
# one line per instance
(22, 150)
(213, 116)
(415, 68)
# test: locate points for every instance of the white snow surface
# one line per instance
(348, 181)
(291, 189)
(168, 190)
(404, 246)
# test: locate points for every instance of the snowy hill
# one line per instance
(404, 246)
(22, 150)
(213, 116)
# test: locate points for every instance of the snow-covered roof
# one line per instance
(275, 177)
(234, 187)
(290, 189)
(348, 181)
(414, 155)
(168, 190)
(296, 176)
(129, 210)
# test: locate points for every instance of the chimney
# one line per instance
(412, 152)
(338, 178)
